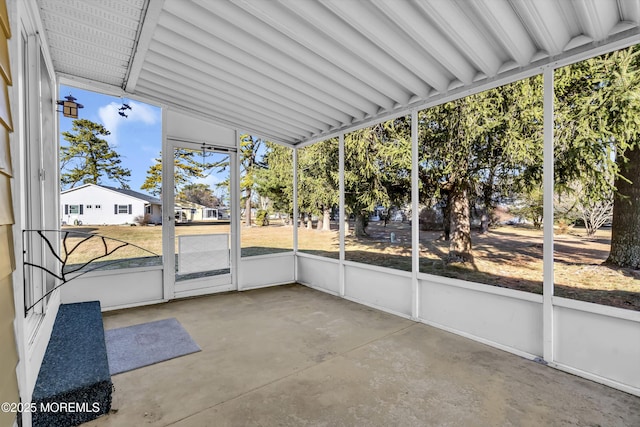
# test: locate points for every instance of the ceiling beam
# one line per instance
(243, 107)
(178, 61)
(194, 40)
(304, 32)
(231, 116)
(383, 33)
(419, 28)
(545, 24)
(172, 45)
(507, 29)
(451, 20)
(260, 40)
(233, 93)
(143, 40)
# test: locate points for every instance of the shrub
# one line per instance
(262, 218)
(563, 226)
(142, 219)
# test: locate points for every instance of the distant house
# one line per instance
(186, 211)
(92, 204)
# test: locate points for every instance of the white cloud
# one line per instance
(112, 120)
(142, 113)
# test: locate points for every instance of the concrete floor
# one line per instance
(292, 356)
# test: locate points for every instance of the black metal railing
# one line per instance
(67, 254)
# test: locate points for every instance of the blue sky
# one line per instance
(137, 138)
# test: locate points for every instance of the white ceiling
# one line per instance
(298, 70)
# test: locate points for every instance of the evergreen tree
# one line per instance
(250, 155)
(376, 170)
(88, 158)
(200, 194)
(318, 180)
(187, 165)
(274, 181)
(479, 150)
(597, 142)
(250, 163)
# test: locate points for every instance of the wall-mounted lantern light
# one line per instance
(69, 107)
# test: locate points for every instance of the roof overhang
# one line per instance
(296, 71)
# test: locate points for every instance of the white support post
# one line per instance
(236, 238)
(343, 213)
(547, 287)
(168, 231)
(294, 221)
(415, 229)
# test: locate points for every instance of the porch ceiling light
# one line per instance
(69, 107)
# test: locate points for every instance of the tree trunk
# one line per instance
(446, 217)
(625, 232)
(326, 219)
(360, 225)
(247, 210)
(487, 200)
(460, 245)
(484, 221)
(485, 216)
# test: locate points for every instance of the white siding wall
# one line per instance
(266, 270)
(106, 199)
(318, 272)
(593, 341)
(114, 289)
(383, 288)
(599, 342)
(505, 318)
(156, 214)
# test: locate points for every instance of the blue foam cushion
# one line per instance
(75, 368)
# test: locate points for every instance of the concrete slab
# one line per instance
(290, 355)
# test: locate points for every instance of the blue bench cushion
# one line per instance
(75, 368)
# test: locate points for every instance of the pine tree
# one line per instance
(597, 141)
(318, 180)
(200, 194)
(376, 170)
(187, 164)
(88, 158)
(479, 150)
(250, 163)
(274, 181)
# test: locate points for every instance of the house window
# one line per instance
(73, 209)
(122, 209)
(147, 209)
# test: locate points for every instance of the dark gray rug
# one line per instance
(133, 347)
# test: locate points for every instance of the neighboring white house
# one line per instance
(186, 211)
(92, 204)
